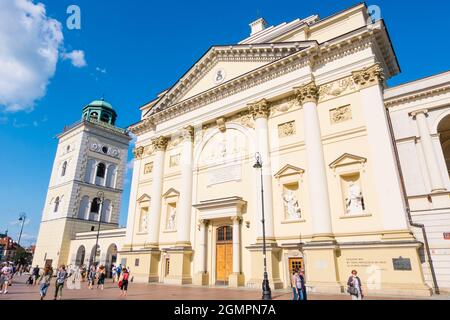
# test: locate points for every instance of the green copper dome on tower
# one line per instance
(100, 110)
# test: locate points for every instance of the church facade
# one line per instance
(294, 125)
(308, 98)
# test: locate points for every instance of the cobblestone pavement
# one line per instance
(136, 291)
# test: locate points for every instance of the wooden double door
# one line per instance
(224, 254)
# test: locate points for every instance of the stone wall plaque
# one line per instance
(224, 174)
(286, 129)
(402, 264)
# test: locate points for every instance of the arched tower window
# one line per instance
(57, 202)
(64, 168)
(101, 169)
(95, 206)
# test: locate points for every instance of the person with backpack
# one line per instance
(44, 281)
(61, 277)
(301, 275)
(123, 282)
(355, 286)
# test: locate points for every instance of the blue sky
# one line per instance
(134, 49)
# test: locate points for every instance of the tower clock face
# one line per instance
(219, 76)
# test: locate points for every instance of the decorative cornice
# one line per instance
(416, 96)
(260, 109)
(359, 40)
(142, 127)
(369, 76)
(160, 143)
(307, 93)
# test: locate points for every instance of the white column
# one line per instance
(381, 149)
(131, 220)
(236, 244)
(94, 176)
(106, 175)
(429, 152)
(185, 201)
(315, 161)
(159, 146)
(203, 247)
(260, 111)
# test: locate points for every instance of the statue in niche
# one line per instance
(172, 216)
(291, 204)
(354, 202)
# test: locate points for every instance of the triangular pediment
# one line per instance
(289, 170)
(143, 198)
(171, 193)
(347, 159)
(222, 64)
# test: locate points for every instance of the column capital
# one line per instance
(260, 109)
(160, 143)
(417, 112)
(369, 76)
(307, 93)
(236, 219)
(203, 222)
(138, 153)
(187, 133)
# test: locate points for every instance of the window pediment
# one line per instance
(347, 159)
(289, 170)
(143, 198)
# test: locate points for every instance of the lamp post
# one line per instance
(267, 295)
(22, 218)
(100, 199)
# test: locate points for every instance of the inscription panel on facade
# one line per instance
(224, 174)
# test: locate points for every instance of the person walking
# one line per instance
(101, 277)
(304, 295)
(35, 274)
(294, 284)
(114, 273)
(355, 286)
(91, 276)
(6, 274)
(44, 281)
(123, 282)
(61, 277)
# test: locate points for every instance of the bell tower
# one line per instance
(90, 161)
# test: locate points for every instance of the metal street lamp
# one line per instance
(100, 200)
(267, 295)
(22, 218)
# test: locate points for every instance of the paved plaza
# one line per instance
(137, 291)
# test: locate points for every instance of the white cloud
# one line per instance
(30, 46)
(100, 70)
(29, 50)
(17, 222)
(76, 57)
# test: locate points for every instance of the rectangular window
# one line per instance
(136, 263)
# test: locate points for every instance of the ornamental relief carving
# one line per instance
(286, 129)
(340, 114)
(337, 88)
(148, 168)
(283, 105)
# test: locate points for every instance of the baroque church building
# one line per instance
(354, 173)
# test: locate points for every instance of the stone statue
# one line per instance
(355, 201)
(291, 204)
(172, 216)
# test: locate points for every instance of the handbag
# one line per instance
(353, 291)
(120, 283)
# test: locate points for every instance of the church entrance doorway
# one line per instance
(224, 254)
